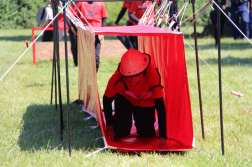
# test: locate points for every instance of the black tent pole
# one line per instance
(56, 44)
(55, 79)
(54, 72)
(53, 68)
(67, 82)
(198, 73)
(59, 82)
(54, 76)
(219, 67)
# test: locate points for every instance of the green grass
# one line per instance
(29, 125)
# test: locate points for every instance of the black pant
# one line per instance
(213, 17)
(48, 36)
(131, 42)
(97, 52)
(144, 118)
(73, 40)
(74, 49)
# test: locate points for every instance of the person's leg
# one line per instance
(61, 33)
(244, 20)
(47, 36)
(213, 17)
(125, 40)
(123, 116)
(134, 41)
(144, 121)
(223, 21)
(234, 17)
(97, 52)
(73, 40)
(250, 22)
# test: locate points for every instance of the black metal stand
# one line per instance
(219, 67)
(54, 77)
(56, 66)
(67, 83)
(198, 73)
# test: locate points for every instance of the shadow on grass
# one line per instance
(225, 61)
(243, 45)
(15, 38)
(41, 130)
(29, 38)
(139, 154)
(232, 61)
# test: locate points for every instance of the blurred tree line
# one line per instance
(16, 14)
(19, 14)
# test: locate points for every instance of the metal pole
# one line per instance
(53, 68)
(219, 67)
(56, 44)
(198, 73)
(54, 72)
(67, 83)
(55, 79)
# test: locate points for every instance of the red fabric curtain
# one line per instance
(167, 51)
(168, 54)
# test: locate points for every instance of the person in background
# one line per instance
(239, 9)
(136, 12)
(96, 15)
(173, 11)
(73, 36)
(127, 42)
(213, 17)
(136, 88)
(250, 18)
(48, 35)
(73, 39)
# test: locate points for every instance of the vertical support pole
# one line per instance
(56, 52)
(67, 82)
(198, 73)
(53, 71)
(219, 67)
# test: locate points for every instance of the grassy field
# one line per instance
(29, 125)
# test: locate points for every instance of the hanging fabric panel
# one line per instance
(167, 51)
(168, 54)
(87, 79)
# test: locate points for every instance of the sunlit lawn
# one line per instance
(29, 124)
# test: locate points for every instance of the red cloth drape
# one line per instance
(167, 51)
(168, 54)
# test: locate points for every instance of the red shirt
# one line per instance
(150, 83)
(138, 8)
(93, 12)
(60, 22)
(127, 4)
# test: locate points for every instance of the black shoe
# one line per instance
(77, 102)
